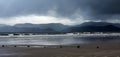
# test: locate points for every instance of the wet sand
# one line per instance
(88, 50)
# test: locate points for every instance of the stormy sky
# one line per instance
(68, 12)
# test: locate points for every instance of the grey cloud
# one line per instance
(89, 9)
(25, 7)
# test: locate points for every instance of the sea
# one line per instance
(59, 39)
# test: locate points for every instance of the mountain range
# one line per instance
(57, 27)
(96, 27)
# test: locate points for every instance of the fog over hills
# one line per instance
(57, 27)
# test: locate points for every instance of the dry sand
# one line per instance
(88, 50)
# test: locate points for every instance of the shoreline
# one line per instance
(71, 45)
(88, 50)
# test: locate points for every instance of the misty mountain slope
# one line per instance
(43, 27)
(57, 27)
(99, 24)
(96, 27)
(96, 24)
(28, 27)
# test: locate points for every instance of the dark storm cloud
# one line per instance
(89, 9)
(104, 9)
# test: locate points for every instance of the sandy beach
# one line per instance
(87, 50)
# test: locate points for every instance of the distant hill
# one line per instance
(107, 28)
(96, 27)
(99, 24)
(28, 27)
(43, 27)
(57, 27)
